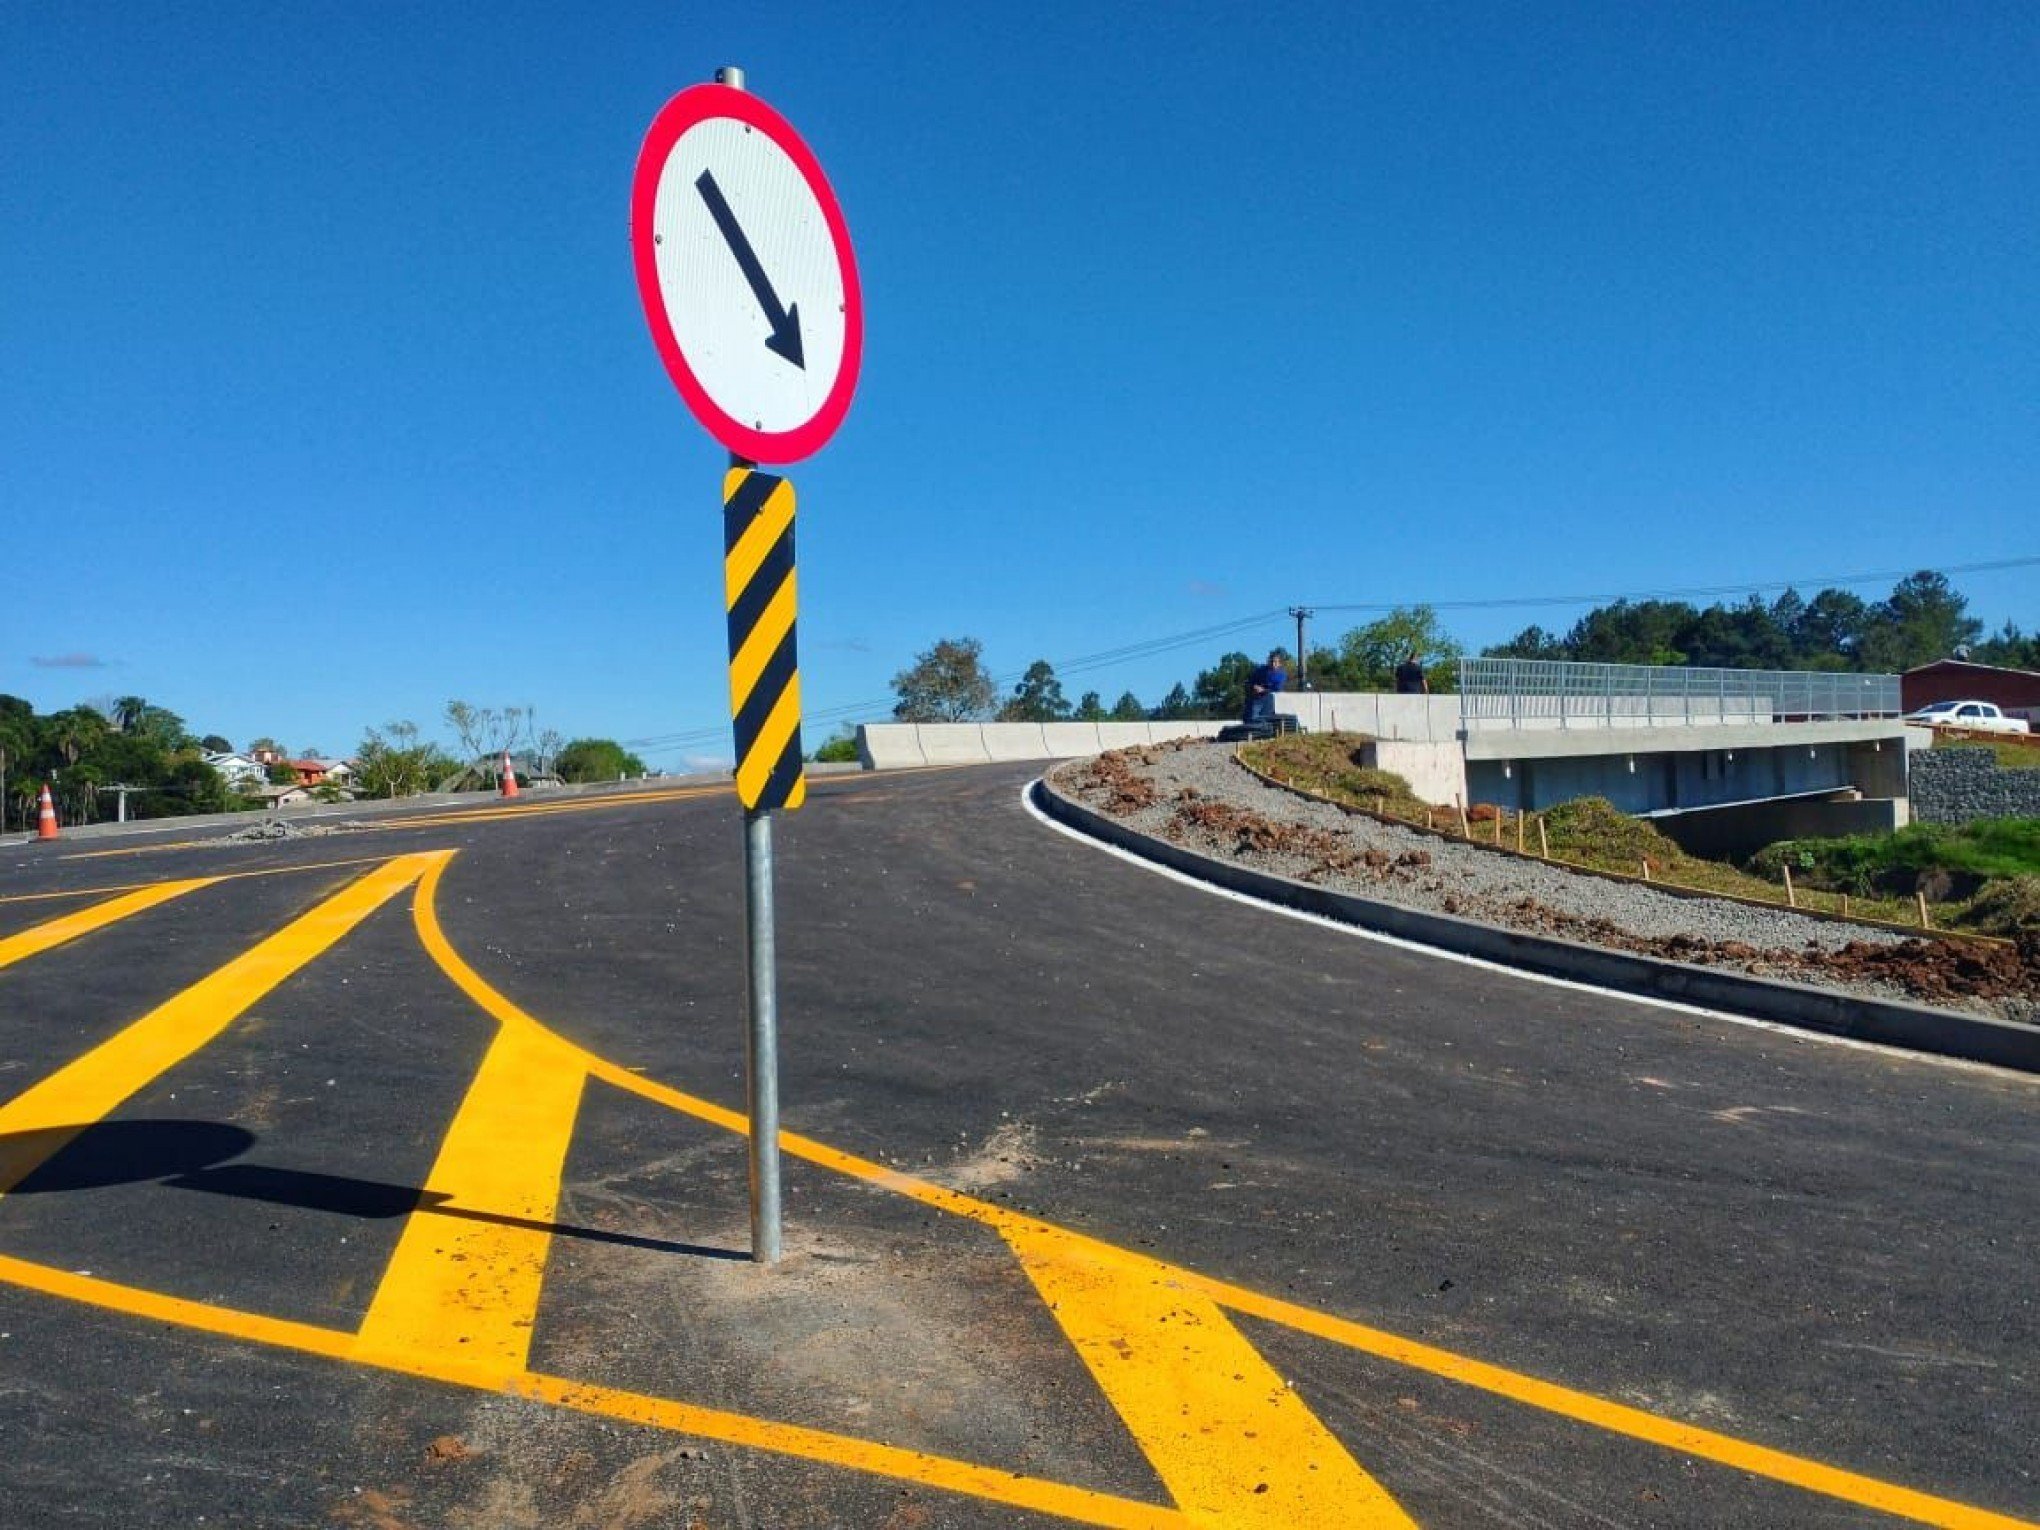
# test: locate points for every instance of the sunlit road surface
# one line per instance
(396, 1178)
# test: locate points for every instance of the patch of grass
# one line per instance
(1989, 848)
(2012, 753)
(2008, 908)
(1329, 765)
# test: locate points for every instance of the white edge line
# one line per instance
(1776, 1028)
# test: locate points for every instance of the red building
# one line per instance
(2014, 690)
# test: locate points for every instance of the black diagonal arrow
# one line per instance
(785, 322)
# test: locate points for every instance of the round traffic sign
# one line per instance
(745, 271)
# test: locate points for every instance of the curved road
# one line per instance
(388, 1180)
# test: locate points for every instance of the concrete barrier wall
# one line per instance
(1428, 719)
(893, 746)
(1436, 772)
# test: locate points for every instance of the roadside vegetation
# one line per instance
(1982, 879)
(2012, 753)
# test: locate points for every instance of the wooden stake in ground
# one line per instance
(1543, 843)
(1498, 828)
(1845, 905)
(1791, 897)
(1519, 833)
(1925, 922)
(1464, 831)
(1646, 868)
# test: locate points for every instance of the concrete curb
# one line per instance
(1946, 1033)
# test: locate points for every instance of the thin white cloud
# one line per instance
(71, 661)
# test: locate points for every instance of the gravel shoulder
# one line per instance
(1197, 794)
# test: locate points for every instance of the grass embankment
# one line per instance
(1984, 879)
(2013, 753)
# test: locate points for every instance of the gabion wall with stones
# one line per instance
(1960, 785)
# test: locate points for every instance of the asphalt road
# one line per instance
(388, 1180)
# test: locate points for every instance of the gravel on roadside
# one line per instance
(1197, 794)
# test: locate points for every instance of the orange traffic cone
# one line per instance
(46, 816)
(509, 776)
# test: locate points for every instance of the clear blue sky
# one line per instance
(325, 393)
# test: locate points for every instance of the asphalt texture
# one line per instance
(1817, 1250)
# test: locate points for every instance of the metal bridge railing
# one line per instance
(1540, 693)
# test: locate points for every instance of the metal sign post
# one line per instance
(747, 279)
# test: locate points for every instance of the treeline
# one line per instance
(85, 752)
(92, 754)
(1925, 618)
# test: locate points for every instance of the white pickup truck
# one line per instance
(1974, 716)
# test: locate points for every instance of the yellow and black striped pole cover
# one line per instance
(764, 671)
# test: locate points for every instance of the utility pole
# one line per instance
(1302, 615)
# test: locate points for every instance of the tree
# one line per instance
(1176, 705)
(213, 743)
(1221, 691)
(1038, 697)
(946, 684)
(840, 748)
(1091, 708)
(2009, 648)
(597, 759)
(1533, 642)
(1128, 708)
(394, 762)
(1368, 655)
(1924, 620)
(1829, 633)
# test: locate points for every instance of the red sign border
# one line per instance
(697, 104)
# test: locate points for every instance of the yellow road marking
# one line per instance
(1019, 1229)
(220, 876)
(526, 808)
(41, 1119)
(468, 1286)
(1094, 1283)
(55, 932)
(1235, 1446)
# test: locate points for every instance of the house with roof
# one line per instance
(2016, 691)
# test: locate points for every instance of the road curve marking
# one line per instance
(55, 932)
(36, 1123)
(1097, 1291)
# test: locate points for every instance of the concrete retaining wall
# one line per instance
(891, 746)
(1436, 772)
(1962, 785)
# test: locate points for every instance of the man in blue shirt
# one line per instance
(1262, 685)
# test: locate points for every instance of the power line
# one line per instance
(1750, 587)
(1151, 647)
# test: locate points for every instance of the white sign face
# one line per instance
(746, 278)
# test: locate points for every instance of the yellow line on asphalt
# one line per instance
(1531, 1391)
(41, 1119)
(467, 1286)
(523, 809)
(55, 932)
(223, 876)
(1067, 1266)
(1237, 1449)
(1079, 1505)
